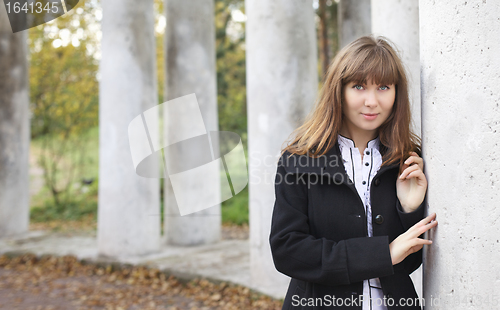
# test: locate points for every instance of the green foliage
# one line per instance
(81, 198)
(231, 91)
(231, 73)
(76, 208)
(235, 210)
(63, 82)
(64, 96)
(159, 36)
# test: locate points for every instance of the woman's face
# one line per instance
(367, 106)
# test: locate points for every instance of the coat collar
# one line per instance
(330, 164)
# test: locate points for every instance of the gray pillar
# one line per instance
(14, 129)
(190, 68)
(282, 84)
(398, 21)
(461, 128)
(354, 20)
(129, 213)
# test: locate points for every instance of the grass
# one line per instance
(82, 199)
(235, 210)
(77, 207)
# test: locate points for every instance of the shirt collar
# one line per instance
(344, 141)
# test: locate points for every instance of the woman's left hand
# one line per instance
(411, 185)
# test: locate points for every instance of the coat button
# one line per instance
(377, 182)
(379, 219)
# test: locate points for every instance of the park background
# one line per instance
(450, 49)
(63, 61)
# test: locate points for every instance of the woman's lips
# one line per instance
(370, 117)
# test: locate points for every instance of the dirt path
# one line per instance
(64, 283)
(27, 282)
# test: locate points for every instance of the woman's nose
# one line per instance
(371, 98)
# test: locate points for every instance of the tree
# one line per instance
(231, 73)
(64, 93)
(327, 33)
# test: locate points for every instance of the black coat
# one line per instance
(319, 233)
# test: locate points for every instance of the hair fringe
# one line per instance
(367, 57)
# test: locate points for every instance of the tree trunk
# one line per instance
(323, 38)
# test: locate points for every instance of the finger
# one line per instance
(431, 217)
(416, 231)
(408, 171)
(420, 242)
(416, 160)
(426, 220)
(424, 228)
(418, 174)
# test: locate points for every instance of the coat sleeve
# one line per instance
(300, 255)
(412, 261)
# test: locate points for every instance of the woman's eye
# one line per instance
(358, 87)
(383, 87)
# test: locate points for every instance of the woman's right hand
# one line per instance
(409, 242)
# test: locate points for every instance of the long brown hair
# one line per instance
(363, 59)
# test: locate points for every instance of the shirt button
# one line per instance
(366, 164)
(364, 182)
(367, 152)
(379, 219)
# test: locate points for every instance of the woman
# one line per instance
(350, 190)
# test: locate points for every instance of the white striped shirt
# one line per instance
(361, 173)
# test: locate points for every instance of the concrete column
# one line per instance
(398, 21)
(459, 50)
(354, 20)
(14, 129)
(190, 68)
(129, 213)
(282, 83)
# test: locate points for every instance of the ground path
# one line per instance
(50, 282)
